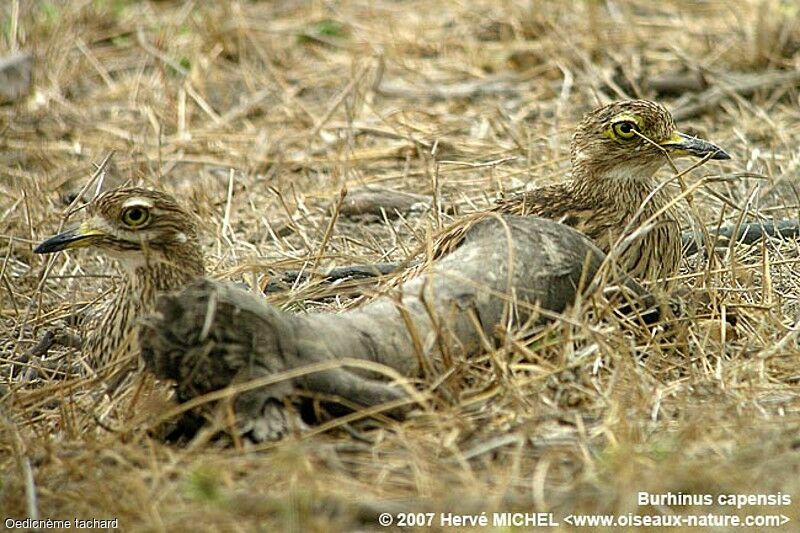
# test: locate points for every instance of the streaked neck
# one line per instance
(626, 186)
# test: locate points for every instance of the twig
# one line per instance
(329, 229)
(18, 446)
(747, 234)
(43, 345)
(244, 108)
(290, 277)
(745, 86)
(338, 101)
(503, 84)
(158, 54)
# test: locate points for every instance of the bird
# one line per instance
(155, 242)
(615, 153)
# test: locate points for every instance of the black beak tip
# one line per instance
(57, 243)
(47, 247)
(721, 155)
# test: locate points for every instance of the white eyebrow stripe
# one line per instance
(137, 201)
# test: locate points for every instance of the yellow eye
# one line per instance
(625, 130)
(135, 216)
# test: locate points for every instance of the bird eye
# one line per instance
(135, 216)
(625, 130)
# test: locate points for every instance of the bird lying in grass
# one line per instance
(616, 151)
(613, 196)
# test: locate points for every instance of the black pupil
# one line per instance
(625, 127)
(135, 215)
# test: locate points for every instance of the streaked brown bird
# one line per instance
(615, 153)
(155, 242)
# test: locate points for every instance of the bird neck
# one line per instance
(620, 208)
(150, 277)
(144, 281)
(159, 278)
(628, 189)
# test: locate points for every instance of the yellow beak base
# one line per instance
(76, 237)
(681, 144)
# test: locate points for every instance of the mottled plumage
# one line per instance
(615, 152)
(155, 243)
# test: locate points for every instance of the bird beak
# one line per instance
(681, 144)
(76, 237)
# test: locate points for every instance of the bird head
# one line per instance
(631, 140)
(136, 226)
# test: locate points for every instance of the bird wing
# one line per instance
(558, 203)
(551, 201)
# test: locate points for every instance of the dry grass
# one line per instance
(257, 114)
